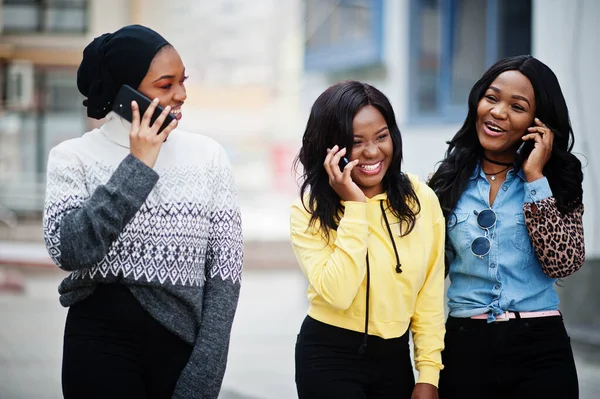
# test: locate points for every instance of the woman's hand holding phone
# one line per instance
(543, 137)
(339, 180)
(144, 139)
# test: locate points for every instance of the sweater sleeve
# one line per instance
(556, 237)
(203, 375)
(427, 323)
(78, 227)
(335, 272)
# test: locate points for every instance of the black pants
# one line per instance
(519, 358)
(114, 349)
(329, 366)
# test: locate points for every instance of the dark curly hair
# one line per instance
(563, 170)
(330, 123)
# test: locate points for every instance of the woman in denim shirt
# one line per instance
(514, 225)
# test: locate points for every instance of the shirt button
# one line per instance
(504, 188)
(533, 192)
(497, 287)
(493, 265)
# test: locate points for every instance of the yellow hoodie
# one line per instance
(336, 272)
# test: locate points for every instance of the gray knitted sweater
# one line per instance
(172, 234)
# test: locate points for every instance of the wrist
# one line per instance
(354, 197)
(146, 160)
(533, 176)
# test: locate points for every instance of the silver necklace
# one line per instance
(493, 175)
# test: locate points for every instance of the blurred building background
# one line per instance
(255, 69)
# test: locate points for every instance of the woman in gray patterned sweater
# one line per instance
(150, 229)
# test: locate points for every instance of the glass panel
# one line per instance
(20, 17)
(468, 48)
(453, 45)
(355, 20)
(52, 15)
(317, 26)
(333, 22)
(64, 115)
(62, 93)
(514, 28)
(62, 19)
(28, 138)
(428, 56)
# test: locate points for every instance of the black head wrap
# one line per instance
(112, 60)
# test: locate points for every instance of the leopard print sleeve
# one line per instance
(557, 238)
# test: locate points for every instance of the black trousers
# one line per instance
(329, 366)
(519, 358)
(114, 349)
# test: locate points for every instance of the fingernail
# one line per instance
(133, 104)
(155, 100)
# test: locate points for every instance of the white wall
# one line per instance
(566, 37)
(107, 16)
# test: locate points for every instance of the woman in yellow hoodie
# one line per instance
(370, 240)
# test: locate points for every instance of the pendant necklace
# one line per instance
(493, 175)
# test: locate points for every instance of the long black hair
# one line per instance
(330, 123)
(563, 169)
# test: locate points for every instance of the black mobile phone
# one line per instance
(522, 153)
(343, 163)
(122, 106)
(524, 150)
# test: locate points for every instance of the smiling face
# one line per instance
(504, 113)
(373, 147)
(165, 80)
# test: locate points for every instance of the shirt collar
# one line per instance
(116, 129)
(477, 172)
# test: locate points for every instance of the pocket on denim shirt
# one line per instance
(521, 237)
(459, 230)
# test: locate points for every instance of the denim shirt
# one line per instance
(509, 277)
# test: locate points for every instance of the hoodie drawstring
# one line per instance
(363, 347)
(387, 224)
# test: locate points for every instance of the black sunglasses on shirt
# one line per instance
(486, 220)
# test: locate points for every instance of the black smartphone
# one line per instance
(343, 163)
(122, 106)
(524, 150)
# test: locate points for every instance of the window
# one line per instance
(453, 42)
(342, 34)
(61, 93)
(60, 114)
(60, 16)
